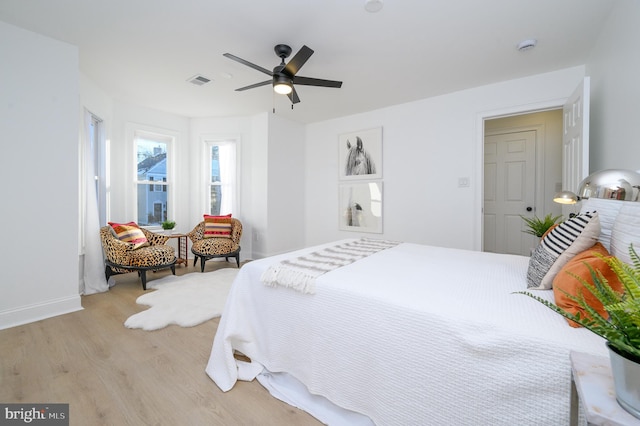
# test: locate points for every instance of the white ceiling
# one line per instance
(143, 51)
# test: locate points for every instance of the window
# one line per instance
(152, 177)
(221, 185)
(96, 139)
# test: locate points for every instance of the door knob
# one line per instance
(529, 209)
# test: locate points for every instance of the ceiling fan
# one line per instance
(283, 76)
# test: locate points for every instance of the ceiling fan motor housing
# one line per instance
(282, 50)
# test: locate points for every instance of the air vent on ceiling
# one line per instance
(199, 80)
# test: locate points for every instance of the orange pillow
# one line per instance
(568, 283)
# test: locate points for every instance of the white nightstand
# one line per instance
(593, 386)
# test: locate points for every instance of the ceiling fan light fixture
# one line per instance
(282, 85)
(282, 88)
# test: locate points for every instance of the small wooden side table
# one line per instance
(183, 245)
(592, 384)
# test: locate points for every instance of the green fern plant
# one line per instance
(622, 327)
(168, 224)
(537, 226)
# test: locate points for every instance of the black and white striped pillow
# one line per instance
(558, 247)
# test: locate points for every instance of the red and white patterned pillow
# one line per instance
(130, 233)
(217, 226)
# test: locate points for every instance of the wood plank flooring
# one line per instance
(111, 375)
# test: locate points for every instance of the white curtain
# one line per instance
(93, 269)
(227, 159)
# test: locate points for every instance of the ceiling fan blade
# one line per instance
(262, 83)
(298, 60)
(308, 81)
(293, 96)
(249, 64)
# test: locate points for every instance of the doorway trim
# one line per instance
(551, 104)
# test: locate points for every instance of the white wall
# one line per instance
(39, 119)
(286, 186)
(97, 102)
(614, 67)
(427, 146)
(257, 191)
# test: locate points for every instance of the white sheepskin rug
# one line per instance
(185, 300)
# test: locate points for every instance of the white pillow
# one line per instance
(607, 211)
(626, 231)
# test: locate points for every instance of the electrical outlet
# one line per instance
(463, 182)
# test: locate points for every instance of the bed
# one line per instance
(411, 334)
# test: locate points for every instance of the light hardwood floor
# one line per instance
(111, 375)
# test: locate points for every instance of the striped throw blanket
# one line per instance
(300, 273)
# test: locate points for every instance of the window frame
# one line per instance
(208, 141)
(168, 185)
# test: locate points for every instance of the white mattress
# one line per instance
(410, 335)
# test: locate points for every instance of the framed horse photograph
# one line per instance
(361, 206)
(361, 154)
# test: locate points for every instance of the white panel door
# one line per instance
(575, 140)
(509, 191)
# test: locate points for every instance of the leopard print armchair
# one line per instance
(121, 257)
(209, 248)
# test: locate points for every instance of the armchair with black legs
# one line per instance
(129, 248)
(216, 237)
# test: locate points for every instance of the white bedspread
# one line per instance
(413, 335)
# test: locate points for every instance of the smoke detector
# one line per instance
(527, 44)
(198, 80)
(373, 5)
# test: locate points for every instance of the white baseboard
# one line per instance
(36, 312)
